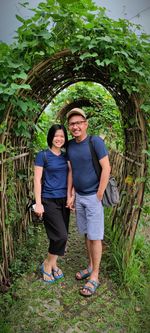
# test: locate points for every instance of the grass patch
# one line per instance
(30, 305)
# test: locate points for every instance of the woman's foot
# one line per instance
(47, 273)
(57, 273)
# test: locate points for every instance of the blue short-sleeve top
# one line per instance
(55, 171)
(84, 176)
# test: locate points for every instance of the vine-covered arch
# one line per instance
(77, 103)
(96, 55)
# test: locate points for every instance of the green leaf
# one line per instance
(2, 106)
(37, 128)
(13, 64)
(122, 52)
(105, 39)
(146, 152)
(93, 55)
(44, 34)
(2, 148)
(19, 18)
(89, 25)
(98, 62)
(138, 71)
(107, 61)
(86, 55)
(145, 108)
(2, 90)
(3, 127)
(22, 76)
(87, 38)
(22, 105)
(24, 4)
(80, 36)
(122, 69)
(41, 53)
(20, 86)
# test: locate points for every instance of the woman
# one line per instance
(50, 187)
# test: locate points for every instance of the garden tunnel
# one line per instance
(47, 79)
(77, 103)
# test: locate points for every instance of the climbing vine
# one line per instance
(86, 31)
(48, 56)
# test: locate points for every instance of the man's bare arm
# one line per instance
(105, 165)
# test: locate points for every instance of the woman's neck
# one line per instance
(55, 150)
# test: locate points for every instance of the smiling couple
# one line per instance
(65, 180)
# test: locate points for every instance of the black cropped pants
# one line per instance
(56, 221)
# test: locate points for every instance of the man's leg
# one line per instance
(87, 243)
(96, 254)
(95, 232)
(92, 219)
(82, 228)
(89, 268)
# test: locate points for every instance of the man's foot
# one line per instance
(57, 273)
(83, 274)
(89, 288)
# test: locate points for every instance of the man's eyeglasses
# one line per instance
(77, 123)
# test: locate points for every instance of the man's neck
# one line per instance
(81, 138)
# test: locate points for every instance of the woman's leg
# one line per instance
(49, 264)
(57, 235)
(65, 213)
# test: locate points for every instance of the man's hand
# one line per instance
(99, 195)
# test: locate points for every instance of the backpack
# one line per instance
(111, 193)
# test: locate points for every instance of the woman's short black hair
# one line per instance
(52, 131)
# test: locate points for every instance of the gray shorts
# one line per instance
(90, 216)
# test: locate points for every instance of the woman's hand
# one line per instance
(70, 202)
(38, 209)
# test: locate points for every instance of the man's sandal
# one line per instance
(52, 279)
(84, 275)
(57, 273)
(88, 291)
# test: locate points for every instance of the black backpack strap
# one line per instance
(95, 159)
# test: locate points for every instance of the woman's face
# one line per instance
(58, 139)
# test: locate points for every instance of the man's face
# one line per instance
(77, 126)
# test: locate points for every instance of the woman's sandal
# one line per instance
(57, 273)
(91, 290)
(52, 279)
(83, 274)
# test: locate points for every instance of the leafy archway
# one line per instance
(90, 47)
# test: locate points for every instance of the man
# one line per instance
(89, 193)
